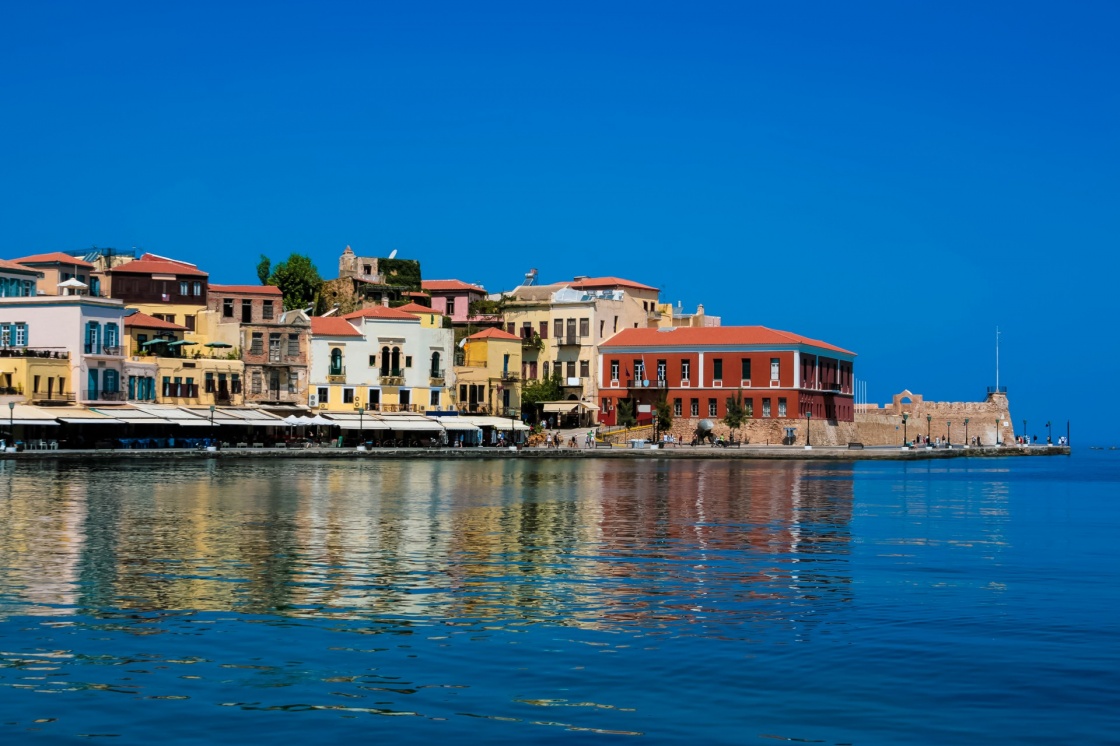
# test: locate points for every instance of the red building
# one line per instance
(779, 374)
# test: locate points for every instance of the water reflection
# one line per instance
(595, 545)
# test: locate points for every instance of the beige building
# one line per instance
(487, 373)
(561, 326)
(56, 268)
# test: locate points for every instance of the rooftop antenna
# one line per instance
(997, 359)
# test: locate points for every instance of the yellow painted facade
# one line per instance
(24, 373)
(489, 380)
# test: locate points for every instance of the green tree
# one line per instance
(546, 389)
(298, 280)
(264, 269)
(664, 414)
(736, 415)
(625, 415)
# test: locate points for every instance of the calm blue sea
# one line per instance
(963, 601)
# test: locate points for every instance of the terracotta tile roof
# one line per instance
(17, 267)
(151, 264)
(451, 285)
(713, 336)
(332, 326)
(493, 334)
(257, 289)
(52, 257)
(380, 312)
(597, 283)
(417, 308)
(144, 321)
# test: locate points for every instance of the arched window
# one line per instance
(384, 361)
(336, 362)
(396, 361)
(436, 372)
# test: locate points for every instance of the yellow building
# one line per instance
(488, 376)
(38, 376)
(165, 366)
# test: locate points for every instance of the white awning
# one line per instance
(412, 424)
(47, 423)
(174, 415)
(456, 424)
(560, 406)
(91, 421)
(369, 423)
(498, 423)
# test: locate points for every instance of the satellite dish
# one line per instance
(393, 254)
(645, 382)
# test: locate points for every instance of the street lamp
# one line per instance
(212, 424)
(808, 432)
(1049, 433)
(948, 426)
(966, 440)
(1026, 438)
(905, 440)
(361, 421)
(11, 422)
(929, 425)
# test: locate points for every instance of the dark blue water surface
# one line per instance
(964, 601)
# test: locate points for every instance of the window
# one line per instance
(227, 308)
(748, 405)
(373, 397)
(324, 394)
(408, 361)
(662, 368)
(545, 369)
(266, 311)
(526, 330)
(676, 407)
(450, 306)
(35, 385)
(246, 311)
(694, 408)
(93, 338)
(511, 327)
(712, 407)
(639, 370)
(21, 334)
(348, 396)
(746, 369)
(571, 328)
(433, 398)
(406, 398)
(717, 369)
(614, 370)
(209, 383)
(198, 289)
(543, 329)
(686, 369)
(184, 288)
(775, 369)
(257, 347)
(140, 340)
(558, 328)
(336, 363)
(585, 327)
(584, 369)
(293, 346)
(188, 321)
(781, 407)
(235, 382)
(257, 382)
(571, 368)
(766, 407)
(111, 381)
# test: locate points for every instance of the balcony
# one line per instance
(637, 383)
(95, 395)
(436, 377)
(402, 408)
(50, 398)
(336, 374)
(95, 349)
(569, 340)
(508, 375)
(392, 377)
(34, 352)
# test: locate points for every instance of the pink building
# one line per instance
(452, 298)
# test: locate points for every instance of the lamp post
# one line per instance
(212, 424)
(967, 442)
(11, 422)
(1049, 433)
(948, 427)
(1026, 438)
(808, 431)
(905, 440)
(361, 422)
(929, 426)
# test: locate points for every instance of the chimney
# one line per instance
(699, 309)
(385, 301)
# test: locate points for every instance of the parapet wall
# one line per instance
(986, 419)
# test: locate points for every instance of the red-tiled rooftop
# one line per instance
(332, 326)
(258, 289)
(149, 264)
(600, 283)
(53, 257)
(451, 285)
(713, 336)
(494, 334)
(17, 267)
(144, 321)
(417, 308)
(381, 312)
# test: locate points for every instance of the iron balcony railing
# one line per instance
(95, 395)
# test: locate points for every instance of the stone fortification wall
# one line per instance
(880, 426)
(883, 426)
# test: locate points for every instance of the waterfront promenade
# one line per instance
(794, 453)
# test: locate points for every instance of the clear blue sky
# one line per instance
(895, 178)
